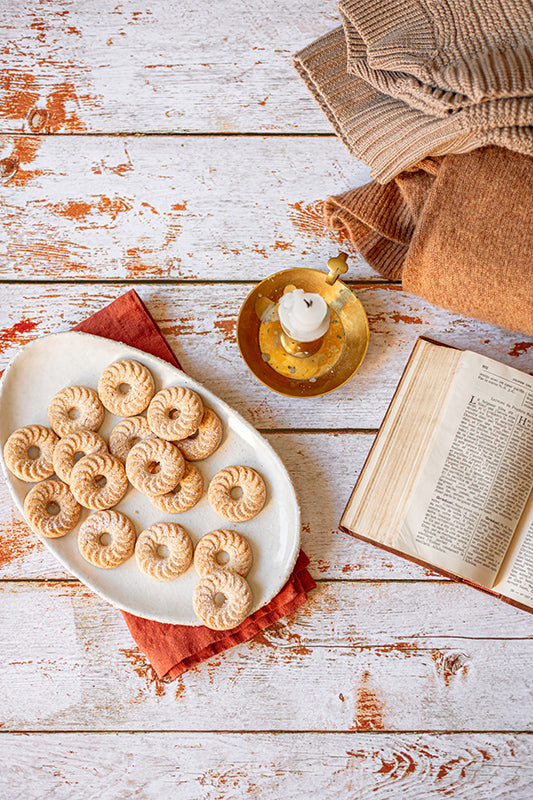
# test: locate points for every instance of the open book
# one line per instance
(448, 482)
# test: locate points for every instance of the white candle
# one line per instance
(304, 316)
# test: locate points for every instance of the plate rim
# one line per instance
(195, 384)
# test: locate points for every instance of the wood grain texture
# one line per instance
(170, 207)
(199, 322)
(168, 66)
(372, 656)
(267, 766)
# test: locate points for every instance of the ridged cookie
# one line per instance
(251, 501)
(126, 387)
(17, 452)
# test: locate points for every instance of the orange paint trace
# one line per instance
(121, 169)
(397, 317)
(520, 348)
(16, 541)
(56, 257)
(348, 568)
(180, 688)
(16, 333)
(135, 261)
(25, 149)
(406, 649)
(309, 220)
(24, 101)
(144, 670)
(226, 328)
(75, 209)
(59, 105)
(19, 95)
(185, 327)
(81, 209)
(368, 707)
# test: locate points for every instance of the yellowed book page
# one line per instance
(477, 475)
(515, 578)
(379, 499)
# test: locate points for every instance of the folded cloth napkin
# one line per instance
(173, 649)
(458, 232)
(407, 79)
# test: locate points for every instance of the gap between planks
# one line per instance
(267, 732)
(171, 134)
(359, 284)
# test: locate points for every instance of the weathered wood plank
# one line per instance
(391, 656)
(199, 321)
(129, 67)
(323, 468)
(170, 207)
(266, 766)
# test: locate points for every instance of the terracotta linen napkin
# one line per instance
(458, 232)
(173, 649)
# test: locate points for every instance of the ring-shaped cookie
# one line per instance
(251, 501)
(206, 439)
(148, 555)
(175, 413)
(39, 516)
(208, 551)
(126, 387)
(74, 408)
(185, 495)
(154, 466)
(67, 449)
(17, 452)
(126, 434)
(86, 481)
(106, 539)
(235, 592)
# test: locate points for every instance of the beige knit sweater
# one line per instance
(405, 79)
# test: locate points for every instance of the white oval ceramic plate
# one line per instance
(47, 365)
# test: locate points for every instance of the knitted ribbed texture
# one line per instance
(407, 79)
(461, 239)
(380, 220)
(451, 52)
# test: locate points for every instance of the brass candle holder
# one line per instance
(303, 369)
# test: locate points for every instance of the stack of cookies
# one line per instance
(73, 467)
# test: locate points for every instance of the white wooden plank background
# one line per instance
(169, 66)
(364, 656)
(170, 207)
(390, 682)
(268, 766)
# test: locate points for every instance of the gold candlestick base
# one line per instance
(298, 349)
(285, 367)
